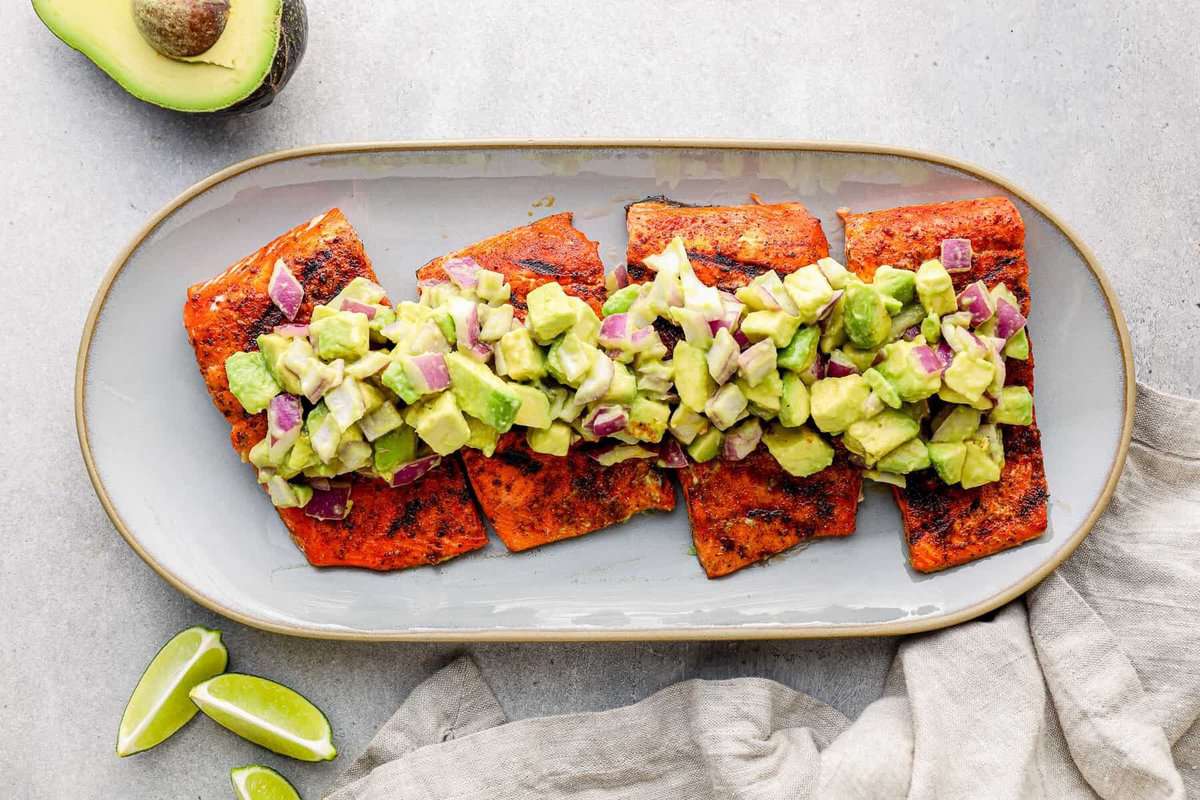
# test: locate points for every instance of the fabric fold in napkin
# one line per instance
(1089, 687)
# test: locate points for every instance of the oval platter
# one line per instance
(159, 457)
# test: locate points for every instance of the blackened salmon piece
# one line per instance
(533, 499)
(530, 498)
(746, 511)
(945, 526)
(727, 245)
(737, 517)
(551, 249)
(427, 522)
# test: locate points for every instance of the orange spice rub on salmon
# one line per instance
(388, 528)
(531, 498)
(945, 526)
(746, 511)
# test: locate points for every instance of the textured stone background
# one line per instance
(1091, 106)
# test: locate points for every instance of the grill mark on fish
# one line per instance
(540, 267)
(523, 462)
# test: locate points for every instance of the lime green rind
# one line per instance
(256, 782)
(159, 704)
(268, 714)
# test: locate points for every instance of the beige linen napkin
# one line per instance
(1090, 687)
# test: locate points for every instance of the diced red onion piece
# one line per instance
(715, 325)
(839, 366)
(1008, 320)
(978, 301)
(425, 283)
(292, 331)
(741, 441)
(742, 340)
(433, 370)
(463, 272)
(768, 299)
(824, 310)
(284, 290)
(927, 359)
(945, 353)
(329, 502)
(671, 455)
(911, 333)
(356, 307)
(956, 255)
(607, 420)
(643, 338)
(621, 275)
(614, 331)
(284, 413)
(414, 470)
(479, 351)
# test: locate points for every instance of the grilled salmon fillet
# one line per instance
(746, 511)
(531, 498)
(423, 523)
(947, 525)
(727, 245)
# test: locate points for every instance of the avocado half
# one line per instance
(261, 46)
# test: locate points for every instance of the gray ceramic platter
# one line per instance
(159, 454)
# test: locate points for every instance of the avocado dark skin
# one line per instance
(293, 38)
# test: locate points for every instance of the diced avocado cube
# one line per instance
(801, 350)
(765, 399)
(705, 446)
(587, 324)
(535, 406)
(553, 441)
(648, 419)
(619, 301)
(800, 451)
(345, 403)
(654, 376)
(441, 425)
(892, 306)
(833, 334)
(550, 313)
(623, 388)
(322, 311)
(481, 393)
(299, 457)
(908, 316)
(483, 436)
(935, 288)
(978, 467)
(861, 359)
(990, 435)
(274, 347)
(371, 364)
(1001, 292)
(692, 380)
(250, 381)
(866, 319)
(287, 495)
(1014, 407)
(836, 403)
(372, 397)
(569, 359)
(956, 424)
(969, 375)
(523, 359)
(875, 437)
(835, 273)
(361, 289)
(890, 478)
(909, 457)
(395, 377)
(810, 291)
(625, 452)
(324, 434)
(931, 328)
(445, 323)
(950, 396)
(384, 317)
(947, 459)
(353, 456)
(882, 387)
(903, 370)
(794, 404)
(900, 284)
(396, 447)
(341, 335)
(686, 424)
(497, 322)
(260, 454)
(1018, 346)
(353, 434)
(490, 286)
(382, 420)
(726, 406)
(778, 326)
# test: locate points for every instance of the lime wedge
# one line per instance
(257, 782)
(159, 705)
(268, 714)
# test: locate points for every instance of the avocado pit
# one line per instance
(181, 28)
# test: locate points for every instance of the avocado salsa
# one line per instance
(906, 373)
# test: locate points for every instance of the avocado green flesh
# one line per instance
(229, 72)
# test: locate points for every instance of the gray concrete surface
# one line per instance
(1092, 106)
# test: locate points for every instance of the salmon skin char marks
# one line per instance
(945, 526)
(388, 528)
(746, 511)
(727, 245)
(531, 498)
